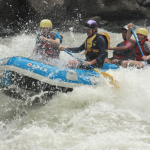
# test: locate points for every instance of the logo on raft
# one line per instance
(29, 64)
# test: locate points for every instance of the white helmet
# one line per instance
(125, 27)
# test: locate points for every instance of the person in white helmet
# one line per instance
(47, 43)
(123, 51)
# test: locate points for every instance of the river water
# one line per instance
(88, 118)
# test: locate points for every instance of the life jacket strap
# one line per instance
(93, 50)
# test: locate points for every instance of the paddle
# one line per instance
(138, 43)
(106, 75)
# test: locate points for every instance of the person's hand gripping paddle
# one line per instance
(106, 75)
(137, 43)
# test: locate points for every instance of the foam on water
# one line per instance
(21, 45)
(90, 117)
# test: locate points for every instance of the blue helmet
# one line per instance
(90, 24)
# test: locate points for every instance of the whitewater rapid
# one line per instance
(88, 118)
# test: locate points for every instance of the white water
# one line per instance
(89, 118)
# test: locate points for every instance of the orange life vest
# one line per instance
(138, 52)
(50, 49)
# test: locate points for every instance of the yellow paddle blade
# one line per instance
(111, 79)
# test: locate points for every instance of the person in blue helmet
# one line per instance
(95, 47)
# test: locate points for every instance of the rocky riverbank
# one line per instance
(25, 15)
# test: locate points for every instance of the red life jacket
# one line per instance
(138, 52)
(122, 55)
(50, 49)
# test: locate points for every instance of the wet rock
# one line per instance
(55, 10)
(8, 11)
(140, 1)
(146, 3)
(47, 6)
(25, 15)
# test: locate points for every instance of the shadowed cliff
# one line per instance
(24, 15)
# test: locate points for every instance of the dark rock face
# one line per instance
(145, 3)
(18, 15)
(54, 10)
(14, 16)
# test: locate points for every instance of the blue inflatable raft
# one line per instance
(32, 75)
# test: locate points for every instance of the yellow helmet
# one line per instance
(46, 23)
(142, 31)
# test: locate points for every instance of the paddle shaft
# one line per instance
(78, 58)
(106, 75)
(138, 44)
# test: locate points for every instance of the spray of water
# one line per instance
(90, 117)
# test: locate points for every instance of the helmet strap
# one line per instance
(94, 32)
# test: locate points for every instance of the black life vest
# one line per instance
(124, 55)
(91, 49)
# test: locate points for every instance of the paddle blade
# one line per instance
(111, 79)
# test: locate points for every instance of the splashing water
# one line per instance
(88, 118)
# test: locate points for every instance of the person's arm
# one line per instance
(147, 45)
(57, 39)
(146, 57)
(90, 62)
(76, 49)
(147, 49)
(73, 49)
(122, 48)
(129, 34)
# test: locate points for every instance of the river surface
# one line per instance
(88, 118)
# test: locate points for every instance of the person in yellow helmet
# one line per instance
(123, 51)
(47, 43)
(142, 36)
